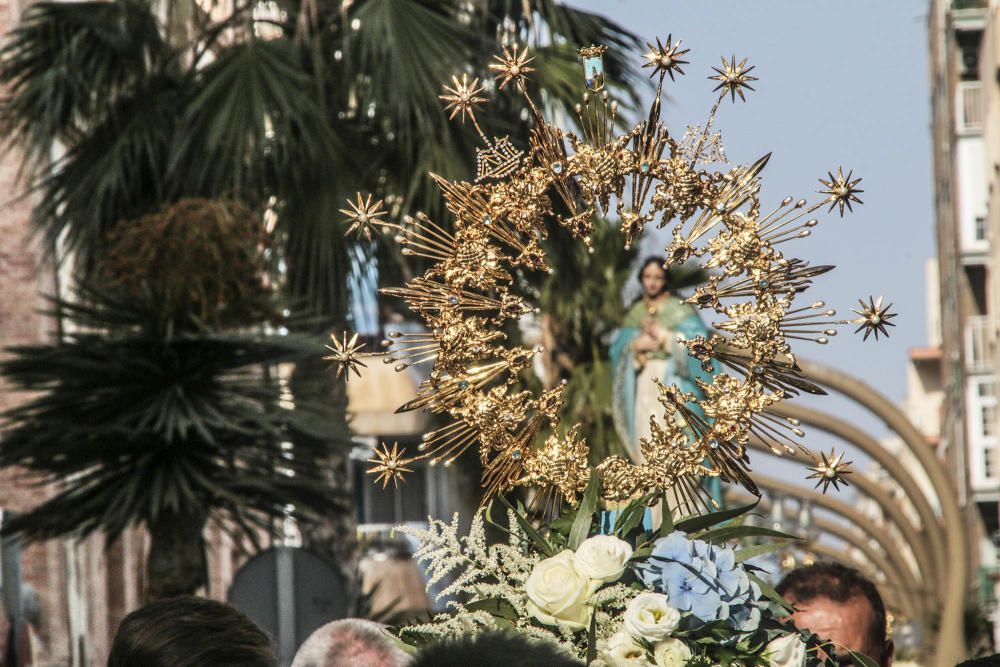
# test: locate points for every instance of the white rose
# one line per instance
(649, 617)
(624, 651)
(556, 592)
(671, 653)
(786, 651)
(603, 558)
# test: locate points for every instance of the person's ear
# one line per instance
(890, 651)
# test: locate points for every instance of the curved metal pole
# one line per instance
(951, 638)
(931, 563)
(852, 515)
(932, 529)
(906, 592)
(926, 564)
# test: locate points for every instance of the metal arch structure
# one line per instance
(890, 563)
(901, 586)
(929, 565)
(933, 542)
(950, 644)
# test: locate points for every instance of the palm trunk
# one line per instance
(177, 563)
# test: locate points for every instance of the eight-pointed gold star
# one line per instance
(733, 77)
(363, 215)
(462, 97)
(842, 190)
(874, 318)
(345, 354)
(829, 470)
(512, 66)
(389, 465)
(665, 59)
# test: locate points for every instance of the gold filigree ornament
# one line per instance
(467, 295)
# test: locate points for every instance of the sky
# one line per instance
(839, 84)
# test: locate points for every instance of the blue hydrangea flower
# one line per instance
(704, 580)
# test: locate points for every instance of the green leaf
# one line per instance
(539, 541)
(585, 513)
(632, 515)
(861, 658)
(496, 607)
(704, 521)
(758, 549)
(732, 532)
(770, 593)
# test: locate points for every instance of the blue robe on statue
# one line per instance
(634, 392)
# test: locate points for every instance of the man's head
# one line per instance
(495, 649)
(352, 642)
(188, 631)
(840, 604)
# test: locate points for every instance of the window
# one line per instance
(989, 420)
(989, 462)
(979, 228)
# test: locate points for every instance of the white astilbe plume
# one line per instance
(481, 572)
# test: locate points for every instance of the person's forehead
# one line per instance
(846, 623)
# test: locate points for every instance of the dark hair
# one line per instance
(495, 649)
(659, 261)
(838, 583)
(189, 631)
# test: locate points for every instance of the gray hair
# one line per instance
(352, 642)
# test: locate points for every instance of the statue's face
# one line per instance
(654, 280)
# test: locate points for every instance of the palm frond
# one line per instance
(64, 66)
(253, 125)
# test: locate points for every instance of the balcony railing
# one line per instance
(980, 341)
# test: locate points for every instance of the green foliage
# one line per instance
(130, 428)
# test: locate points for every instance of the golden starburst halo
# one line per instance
(462, 97)
(512, 66)
(842, 190)
(874, 318)
(830, 469)
(389, 465)
(346, 355)
(665, 59)
(363, 215)
(734, 77)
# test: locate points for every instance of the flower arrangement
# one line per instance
(616, 593)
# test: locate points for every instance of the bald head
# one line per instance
(351, 642)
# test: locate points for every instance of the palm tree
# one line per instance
(288, 112)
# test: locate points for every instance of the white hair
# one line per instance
(352, 642)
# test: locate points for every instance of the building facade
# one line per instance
(964, 46)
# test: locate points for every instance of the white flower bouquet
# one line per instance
(615, 593)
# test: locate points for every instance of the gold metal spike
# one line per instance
(346, 355)
(830, 469)
(389, 465)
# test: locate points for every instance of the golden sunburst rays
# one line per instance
(830, 470)
(733, 78)
(512, 66)
(431, 298)
(363, 215)
(874, 318)
(782, 277)
(738, 187)
(462, 97)
(390, 465)
(841, 190)
(346, 354)
(665, 59)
